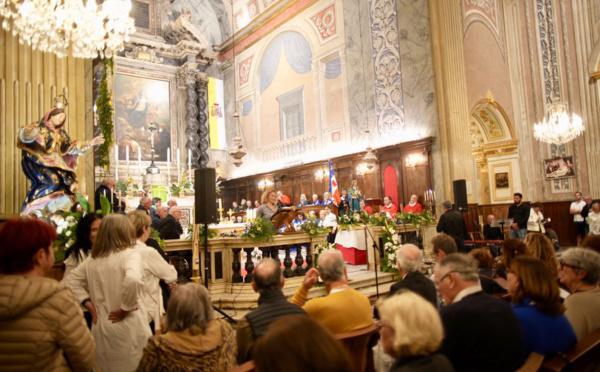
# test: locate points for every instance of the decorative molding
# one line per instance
(143, 53)
(389, 100)
(549, 53)
(325, 22)
(244, 70)
(487, 8)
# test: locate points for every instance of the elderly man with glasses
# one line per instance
(580, 273)
(482, 332)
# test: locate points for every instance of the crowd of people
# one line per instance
(119, 306)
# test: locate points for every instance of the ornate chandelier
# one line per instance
(71, 27)
(558, 126)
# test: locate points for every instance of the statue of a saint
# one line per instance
(355, 196)
(49, 161)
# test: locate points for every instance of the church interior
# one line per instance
(330, 119)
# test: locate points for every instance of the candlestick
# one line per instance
(178, 165)
(220, 204)
(139, 159)
(190, 164)
(127, 160)
(168, 166)
(116, 162)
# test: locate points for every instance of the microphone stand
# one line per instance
(376, 253)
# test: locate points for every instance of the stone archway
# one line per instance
(494, 148)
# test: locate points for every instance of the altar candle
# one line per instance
(168, 166)
(190, 161)
(117, 162)
(178, 164)
(220, 204)
(139, 158)
(127, 154)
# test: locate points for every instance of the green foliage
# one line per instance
(347, 221)
(122, 187)
(85, 205)
(156, 236)
(105, 207)
(212, 233)
(416, 219)
(104, 111)
(312, 228)
(183, 186)
(391, 243)
(259, 230)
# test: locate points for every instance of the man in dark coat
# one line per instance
(452, 223)
(272, 305)
(409, 260)
(519, 212)
(169, 227)
(481, 332)
(107, 189)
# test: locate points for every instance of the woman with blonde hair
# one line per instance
(192, 340)
(269, 205)
(109, 284)
(536, 303)
(541, 247)
(411, 332)
(155, 268)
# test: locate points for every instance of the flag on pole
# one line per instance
(333, 186)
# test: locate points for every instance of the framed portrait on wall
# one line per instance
(502, 181)
(138, 102)
(559, 167)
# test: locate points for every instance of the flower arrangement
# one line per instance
(258, 230)
(346, 221)
(391, 243)
(212, 233)
(65, 229)
(320, 248)
(312, 228)
(184, 186)
(256, 255)
(417, 219)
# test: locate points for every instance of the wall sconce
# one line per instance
(413, 160)
(264, 184)
(321, 174)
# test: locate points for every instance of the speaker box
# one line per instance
(460, 194)
(205, 195)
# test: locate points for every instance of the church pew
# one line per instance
(358, 344)
(584, 356)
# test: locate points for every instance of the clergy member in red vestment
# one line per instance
(388, 207)
(366, 208)
(413, 205)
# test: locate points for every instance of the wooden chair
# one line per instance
(584, 356)
(358, 343)
(249, 366)
(532, 363)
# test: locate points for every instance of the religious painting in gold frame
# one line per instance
(502, 181)
(140, 101)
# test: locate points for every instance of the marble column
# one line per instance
(451, 85)
(196, 118)
(201, 155)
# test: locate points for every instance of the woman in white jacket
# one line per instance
(536, 221)
(154, 268)
(109, 284)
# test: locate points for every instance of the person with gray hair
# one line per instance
(169, 227)
(344, 309)
(272, 305)
(191, 339)
(452, 223)
(409, 260)
(482, 332)
(145, 204)
(580, 273)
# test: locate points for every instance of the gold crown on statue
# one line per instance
(60, 102)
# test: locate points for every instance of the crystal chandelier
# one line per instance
(558, 126)
(71, 27)
(369, 160)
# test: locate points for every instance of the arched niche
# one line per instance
(494, 147)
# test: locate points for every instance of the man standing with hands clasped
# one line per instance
(519, 212)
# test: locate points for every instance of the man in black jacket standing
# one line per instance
(409, 260)
(452, 223)
(519, 212)
(272, 305)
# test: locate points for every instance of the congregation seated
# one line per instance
(485, 267)
(580, 273)
(315, 200)
(161, 213)
(145, 204)
(592, 242)
(170, 227)
(537, 304)
(491, 232)
(156, 203)
(41, 325)
(409, 260)
(191, 339)
(413, 205)
(303, 201)
(442, 246)
(327, 198)
(171, 203)
(511, 248)
(481, 332)
(296, 343)
(268, 281)
(343, 309)
(411, 332)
